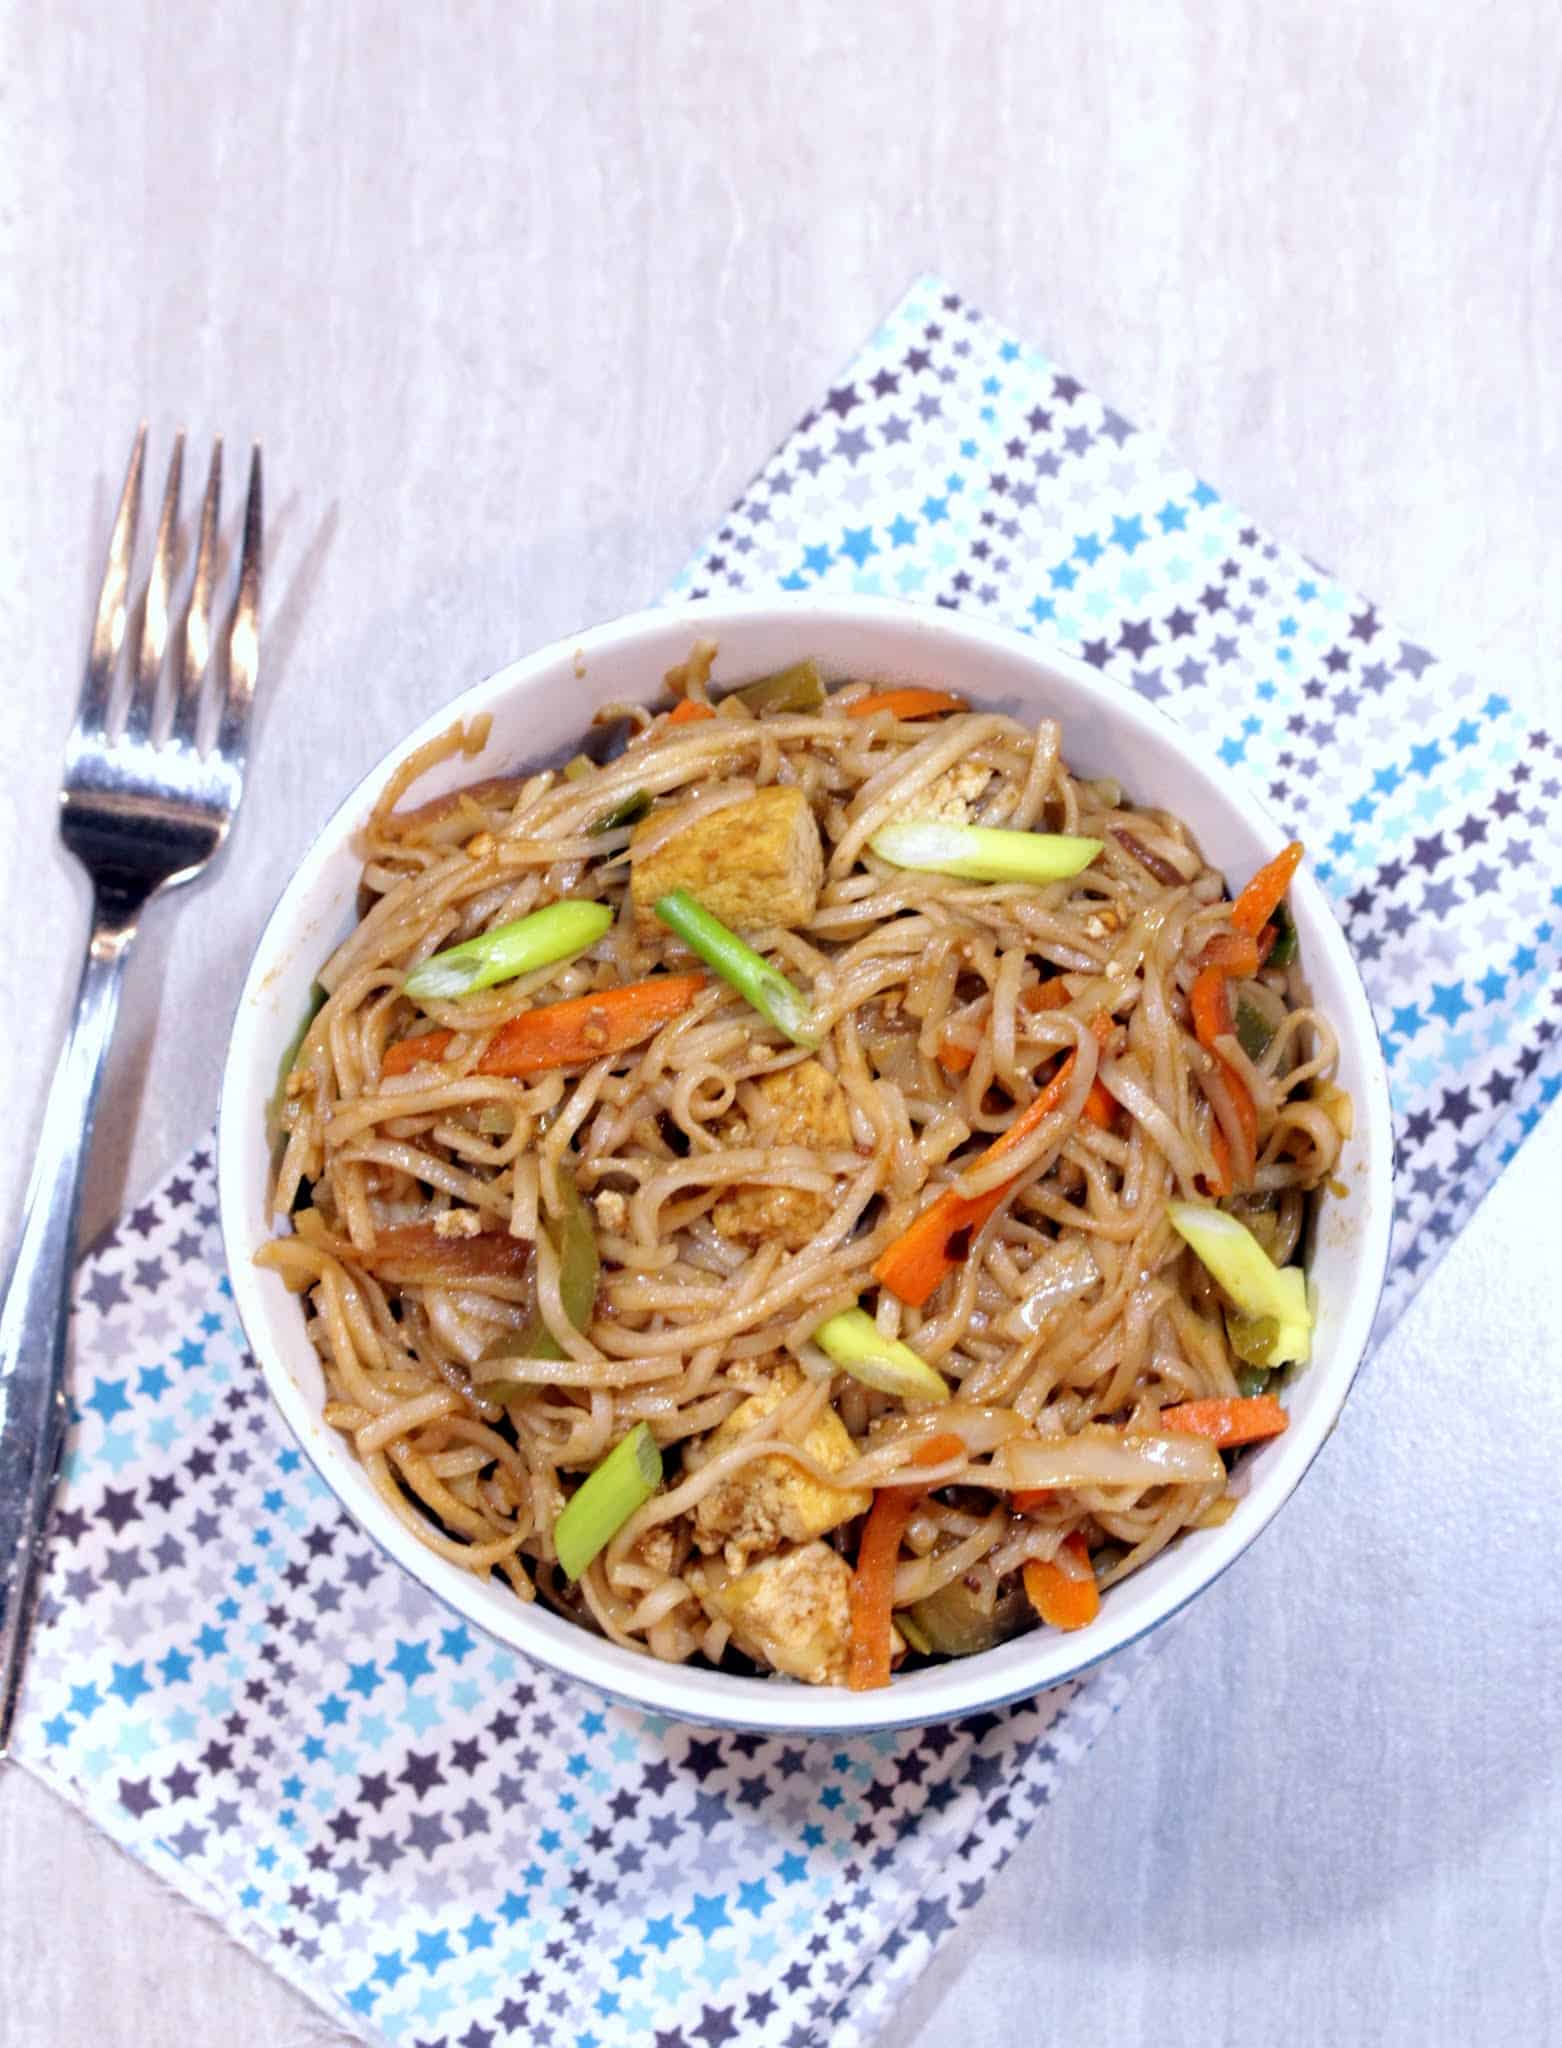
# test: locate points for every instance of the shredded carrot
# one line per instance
(1211, 1003)
(1101, 1106)
(1266, 942)
(910, 702)
(872, 1596)
(584, 1028)
(405, 1054)
(931, 1246)
(1031, 1498)
(1064, 1598)
(1263, 894)
(1227, 1422)
(955, 1058)
(687, 710)
(1232, 952)
(938, 1450)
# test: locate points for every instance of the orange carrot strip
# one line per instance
(687, 710)
(586, 1027)
(920, 1257)
(938, 1450)
(1061, 1599)
(1260, 899)
(1030, 1498)
(1211, 1004)
(1220, 1145)
(1232, 952)
(1101, 1106)
(405, 1054)
(1227, 1422)
(872, 1597)
(955, 1058)
(907, 703)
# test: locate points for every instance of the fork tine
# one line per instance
(108, 630)
(154, 615)
(198, 620)
(244, 636)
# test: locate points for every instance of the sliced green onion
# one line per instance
(578, 767)
(753, 977)
(984, 853)
(1255, 1033)
(1253, 1379)
(1284, 950)
(1255, 1285)
(629, 810)
(853, 1341)
(547, 936)
(625, 1480)
(798, 688)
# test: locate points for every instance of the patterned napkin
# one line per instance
(443, 1845)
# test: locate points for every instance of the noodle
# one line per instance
(433, 1192)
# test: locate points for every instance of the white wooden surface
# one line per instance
(518, 298)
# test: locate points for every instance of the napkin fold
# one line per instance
(446, 1846)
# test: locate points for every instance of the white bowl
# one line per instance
(540, 706)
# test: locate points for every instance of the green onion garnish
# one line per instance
(853, 1341)
(984, 853)
(547, 936)
(798, 688)
(753, 977)
(629, 810)
(1257, 1287)
(625, 1480)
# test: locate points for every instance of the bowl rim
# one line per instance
(691, 1694)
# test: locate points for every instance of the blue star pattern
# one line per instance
(441, 1844)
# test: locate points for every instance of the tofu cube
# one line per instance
(802, 1105)
(755, 864)
(792, 1611)
(952, 798)
(774, 1500)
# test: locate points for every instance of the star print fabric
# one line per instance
(445, 1846)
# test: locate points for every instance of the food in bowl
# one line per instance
(811, 1185)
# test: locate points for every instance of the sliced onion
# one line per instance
(1108, 1458)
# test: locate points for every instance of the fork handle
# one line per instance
(35, 1310)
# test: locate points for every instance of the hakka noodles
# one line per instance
(813, 1186)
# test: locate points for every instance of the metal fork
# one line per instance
(143, 811)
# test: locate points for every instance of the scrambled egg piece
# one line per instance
(807, 1106)
(792, 1611)
(952, 797)
(612, 1210)
(754, 864)
(773, 1500)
